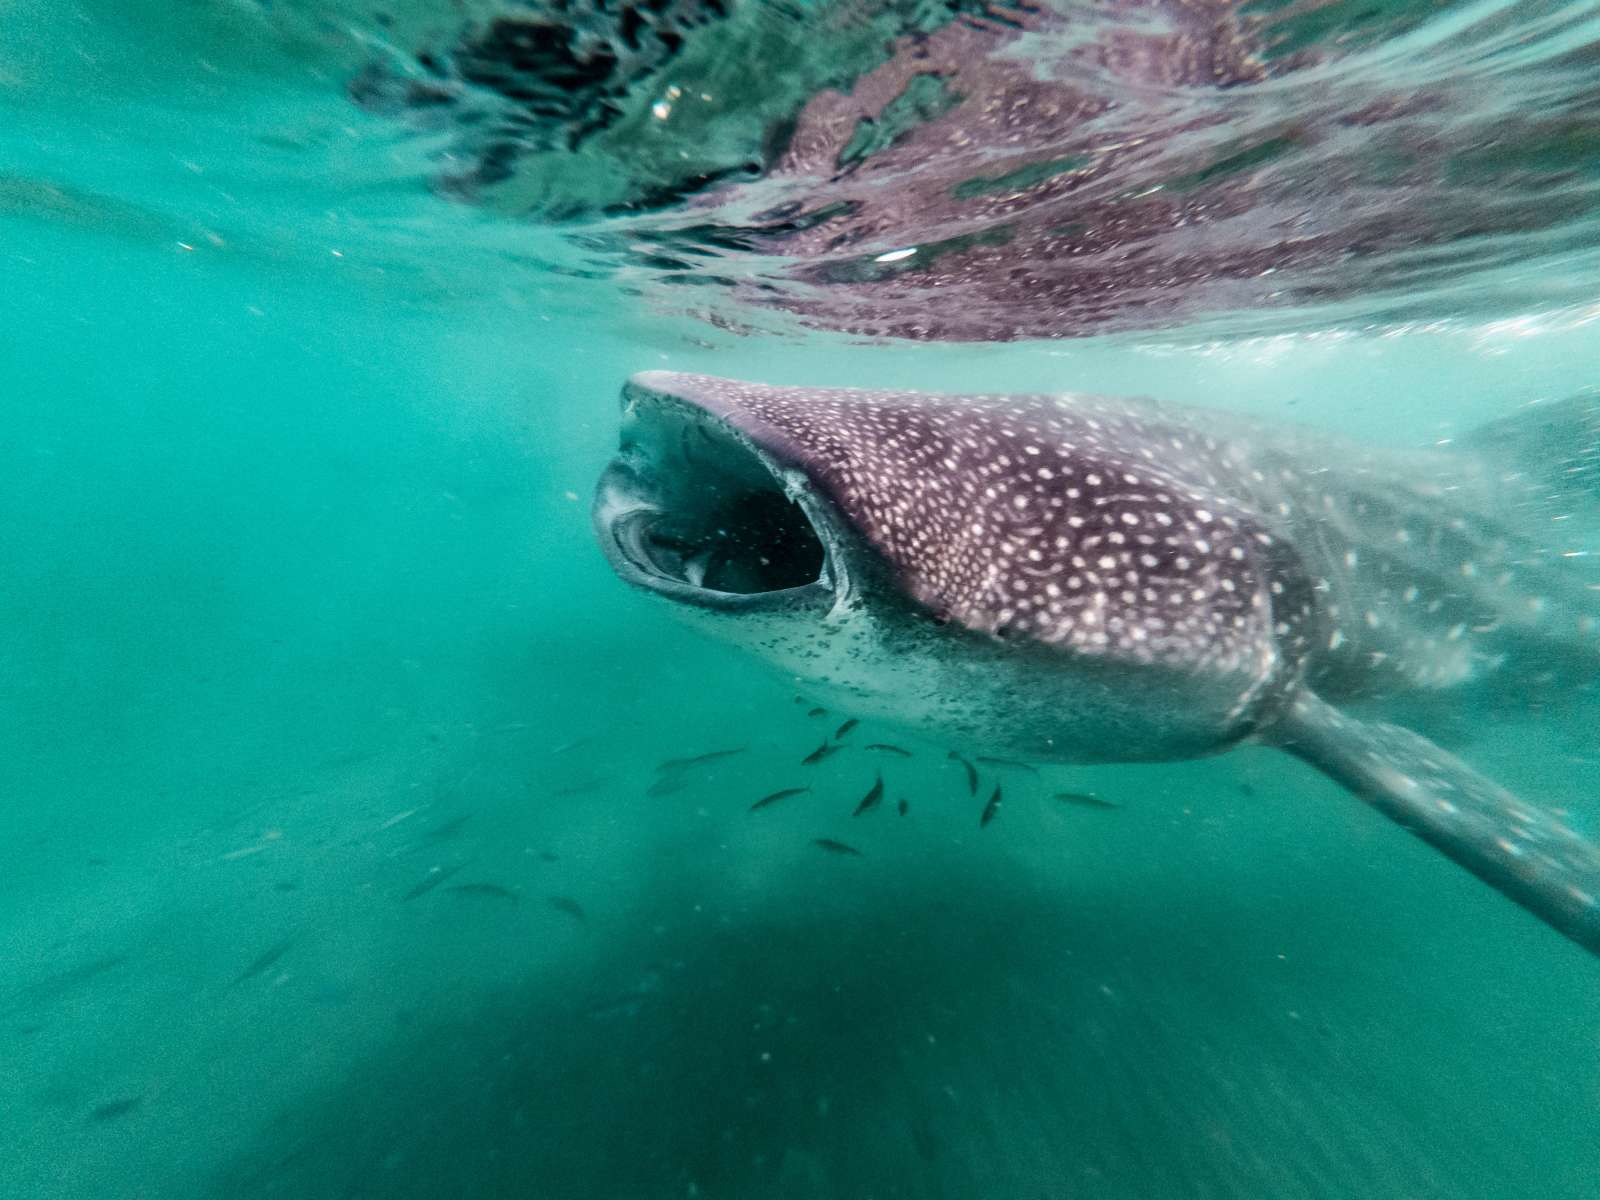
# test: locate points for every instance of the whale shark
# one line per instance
(1083, 579)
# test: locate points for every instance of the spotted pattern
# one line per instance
(1052, 519)
(1156, 534)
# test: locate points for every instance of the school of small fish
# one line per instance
(676, 773)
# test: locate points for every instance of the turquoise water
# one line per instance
(301, 611)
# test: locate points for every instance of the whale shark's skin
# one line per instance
(1079, 579)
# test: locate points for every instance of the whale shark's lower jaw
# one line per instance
(697, 511)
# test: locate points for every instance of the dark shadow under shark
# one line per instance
(1083, 579)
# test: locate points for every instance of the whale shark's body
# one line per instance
(1082, 579)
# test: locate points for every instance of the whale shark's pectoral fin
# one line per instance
(1516, 847)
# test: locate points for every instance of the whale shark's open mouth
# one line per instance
(698, 509)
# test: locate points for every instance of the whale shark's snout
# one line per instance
(708, 506)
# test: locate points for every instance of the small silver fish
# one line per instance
(972, 771)
(870, 800)
(698, 760)
(113, 1109)
(449, 829)
(1087, 799)
(434, 877)
(835, 847)
(492, 891)
(990, 809)
(265, 960)
(820, 753)
(571, 907)
(776, 796)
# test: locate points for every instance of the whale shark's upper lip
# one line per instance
(709, 510)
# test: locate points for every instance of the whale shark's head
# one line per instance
(994, 566)
(716, 510)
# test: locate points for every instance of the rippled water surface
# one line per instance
(337, 857)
